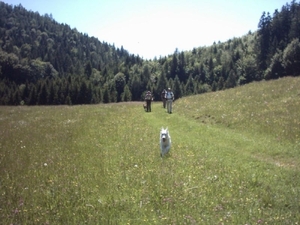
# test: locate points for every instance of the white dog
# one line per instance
(165, 141)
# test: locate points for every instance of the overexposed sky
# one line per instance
(150, 28)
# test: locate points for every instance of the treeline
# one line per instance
(44, 62)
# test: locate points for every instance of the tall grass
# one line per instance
(234, 160)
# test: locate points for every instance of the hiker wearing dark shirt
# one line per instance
(148, 99)
(163, 97)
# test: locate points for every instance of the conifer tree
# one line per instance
(88, 69)
(106, 95)
(161, 84)
(177, 89)
(126, 95)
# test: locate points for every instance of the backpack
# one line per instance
(148, 97)
(169, 95)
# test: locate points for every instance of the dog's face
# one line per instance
(164, 134)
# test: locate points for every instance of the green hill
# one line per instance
(234, 160)
(43, 62)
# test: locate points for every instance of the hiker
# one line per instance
(148, 99)
(163, 97)
(170, 98)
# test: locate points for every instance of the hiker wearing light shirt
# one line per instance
(170, 98)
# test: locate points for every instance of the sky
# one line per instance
(154, 28)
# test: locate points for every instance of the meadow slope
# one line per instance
(234, 160)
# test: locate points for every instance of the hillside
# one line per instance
(43, 62)
(234, 160)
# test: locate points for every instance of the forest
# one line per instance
(43, 62)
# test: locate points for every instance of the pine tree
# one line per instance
(126, 95)
(174, 66)
(291, 58)
(135, 87)
(221, 82)
(263, 43)
(88, 70)
(120, 83)
(177, 90)
(161, 84)
(43, 95)
(190, 87)
(32, 99)
(113, 92)
(106, 95)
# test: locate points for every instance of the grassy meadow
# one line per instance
(234, 159)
